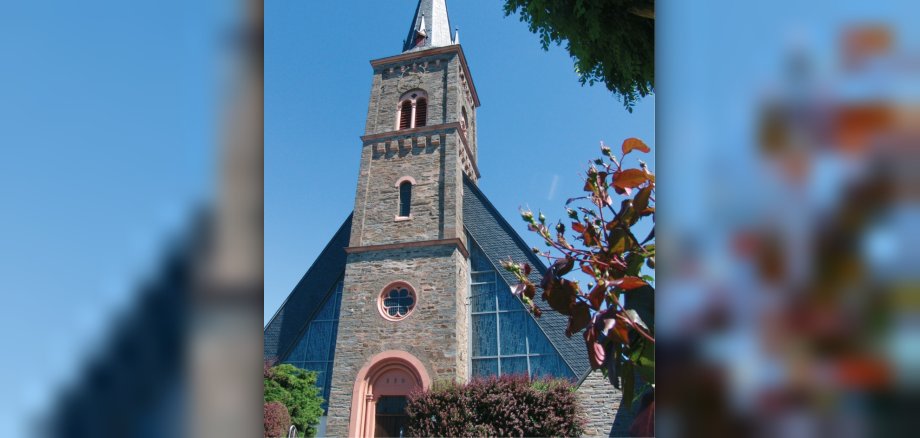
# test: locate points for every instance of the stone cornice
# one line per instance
(419, 244)
(452, 126)
(433, 52)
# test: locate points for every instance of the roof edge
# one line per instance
(342, 228)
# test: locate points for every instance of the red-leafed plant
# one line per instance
(496, 406)
(276, 419)
(604, 248)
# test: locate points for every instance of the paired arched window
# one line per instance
(404, 185)
(413, 110)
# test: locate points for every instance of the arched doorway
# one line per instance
(379, 399)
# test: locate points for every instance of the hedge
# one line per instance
(496, 406)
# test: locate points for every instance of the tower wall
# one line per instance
(435, 332)
(426, 250)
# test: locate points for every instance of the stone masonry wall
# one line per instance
(434, 74)
(430, 333)
(601, 403)
(432, 158)
(437, 196)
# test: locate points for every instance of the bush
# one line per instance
(276, 419)
(505, 406)
(296, 389)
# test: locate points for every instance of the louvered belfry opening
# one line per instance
(421, 112)
(405, 115)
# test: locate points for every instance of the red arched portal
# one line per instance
(378, 401)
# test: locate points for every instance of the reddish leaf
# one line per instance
(563, 266)
(596, 353)
(597, 295)
(587, 269)
(630, 283)
(589, 236)
(629, 178)
(526, 269)
(578, 227)
(561, 295)
(580, 318)
(631, 144)
(622, 332)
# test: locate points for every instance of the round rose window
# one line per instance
(397, 301)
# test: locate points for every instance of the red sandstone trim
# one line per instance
(389, 287)
(404, 179)
(420, 244)
(361, 423)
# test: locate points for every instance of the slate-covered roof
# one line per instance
(498, 241)
(492, 233)
(433, 14)
(297, 310)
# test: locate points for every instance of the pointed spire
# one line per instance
(430, 27)
(457, 36)
(421, 27)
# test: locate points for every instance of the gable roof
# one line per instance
(499, 241)
(292, 317)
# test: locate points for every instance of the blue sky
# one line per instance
(109, 112)
(538, 127)
(107, 125)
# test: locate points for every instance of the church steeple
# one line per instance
(430, 27)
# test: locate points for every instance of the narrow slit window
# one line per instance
(405, 116)
(405, 198)
(421, 112)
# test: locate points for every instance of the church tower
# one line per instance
(403, 320)
(410, 290)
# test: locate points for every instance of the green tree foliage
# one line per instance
(505, 406)
(619, 336)
(612, 41)
(296, 389)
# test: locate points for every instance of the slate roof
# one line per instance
(285, 327)
(498, 241)
(491, 232)
(437, 26)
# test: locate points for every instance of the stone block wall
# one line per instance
(437, 196)
(437, 75)
(433, 332)
(601, 403)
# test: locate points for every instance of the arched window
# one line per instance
(405, 118)
(412, 111)
(405, 198)
(421, 112)
(463, 121)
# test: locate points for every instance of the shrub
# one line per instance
(496, 406)
(276, 419)
(296, 389)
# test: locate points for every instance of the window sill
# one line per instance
(403, 218)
